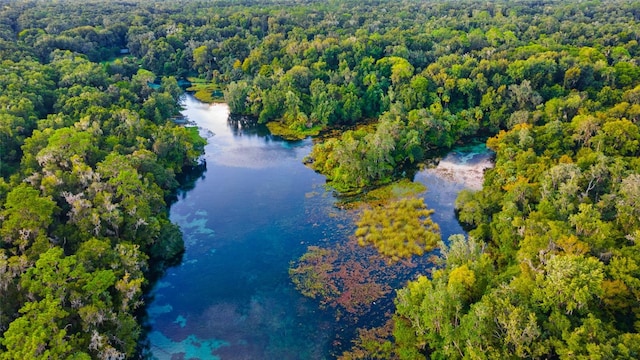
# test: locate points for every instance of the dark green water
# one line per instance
(253, 212)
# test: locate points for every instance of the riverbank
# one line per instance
(254, 210)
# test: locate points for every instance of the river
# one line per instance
(253, 212)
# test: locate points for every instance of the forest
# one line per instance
(90, 160)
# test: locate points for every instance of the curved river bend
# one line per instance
(253, 212)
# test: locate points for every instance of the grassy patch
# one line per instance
(400, 189)
(122, 57)
(206, 91)
(280, 129)
(394, 191)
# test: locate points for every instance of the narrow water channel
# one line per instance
(255, 209)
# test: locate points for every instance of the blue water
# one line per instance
(248, 217)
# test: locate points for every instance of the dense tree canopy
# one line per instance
(88, 157)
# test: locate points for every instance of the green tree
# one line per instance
(26, 219)
(39, 333)
(236, 97)
(569, 283)
(618, 137)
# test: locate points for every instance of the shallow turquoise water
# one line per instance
(253, 212)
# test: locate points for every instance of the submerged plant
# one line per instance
(342, 277)
(374, 343)
(312, 277)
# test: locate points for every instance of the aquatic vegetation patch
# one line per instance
(399, 229)
(375, 343)
(206, 91)
(293, 131)
(313, 275)
(342, 277)
(397, 190)
(382, 195)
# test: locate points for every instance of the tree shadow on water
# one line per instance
(243, 125)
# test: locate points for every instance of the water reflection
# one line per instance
(253, 210)
(462, 168)
(240, 141)
(242, 125)
(465, 165)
